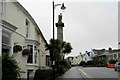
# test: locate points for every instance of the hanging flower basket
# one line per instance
(17, 48)
(25, 52)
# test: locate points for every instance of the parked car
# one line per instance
(117, 66)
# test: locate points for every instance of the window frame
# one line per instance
(33, 55)
(7, 34)
(27, 23)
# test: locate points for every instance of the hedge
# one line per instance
(43, 74)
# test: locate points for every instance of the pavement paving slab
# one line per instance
(71, 74)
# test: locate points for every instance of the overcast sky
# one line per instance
(89, 24)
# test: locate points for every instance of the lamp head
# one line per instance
(63, 7)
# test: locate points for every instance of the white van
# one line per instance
(117, 66)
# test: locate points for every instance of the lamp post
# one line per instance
(62, 8)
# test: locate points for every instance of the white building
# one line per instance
(1, 14)
(115, 54)
(119, 27)
(87, 56)
(69, 60)
(75, 60)
(119, 24)
(19, 28)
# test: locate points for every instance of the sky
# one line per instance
(89, 24)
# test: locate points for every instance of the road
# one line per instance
(101, 73)
(90, 73)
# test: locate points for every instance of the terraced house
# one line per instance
(19, 34)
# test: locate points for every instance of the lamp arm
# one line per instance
(56, 5)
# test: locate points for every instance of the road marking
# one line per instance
(84, 73)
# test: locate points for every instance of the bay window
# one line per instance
(35, 52)
(32, 57)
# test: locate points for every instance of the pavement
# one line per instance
(73, 74)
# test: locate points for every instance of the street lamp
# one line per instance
(62, 8)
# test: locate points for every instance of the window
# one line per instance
(35, 52)
(1, 9)
(27, 28)
(30, 57)
(6, 43)
(27, 22)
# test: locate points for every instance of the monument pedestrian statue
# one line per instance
(60, 18)
(60, 23)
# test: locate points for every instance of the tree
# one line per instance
(55, 47)
(67, 48)
(10, 69)
(82, 63)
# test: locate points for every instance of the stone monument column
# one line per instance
(60, 26)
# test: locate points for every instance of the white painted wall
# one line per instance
(15, 16)
(86, 57)
(76, 60)
(42, 53)
(0, 52)
(1, 12)
(22, 60)
(0, 40)
(119, 26)
(21, 63)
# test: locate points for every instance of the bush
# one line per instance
(43, 74)
(64, 63)
(60, 69)
(10, 69)
(89, 63)
(112, 61)
(82, 63)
